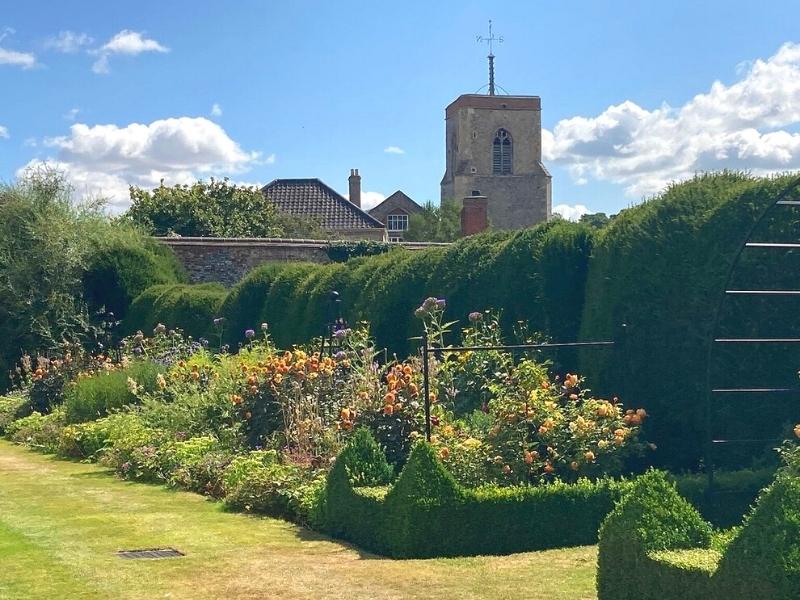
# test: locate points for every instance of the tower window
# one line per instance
(502, 153)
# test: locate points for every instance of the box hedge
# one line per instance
(426, 513)
(654, 545)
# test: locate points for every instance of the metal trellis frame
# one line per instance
(714, 342)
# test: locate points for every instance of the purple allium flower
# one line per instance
(160, 328)
(341, 333)
(249, 333)
(264, 327)
(419, 313)
(340, 355)
(441, 303)
(475, 316)
(218, 321)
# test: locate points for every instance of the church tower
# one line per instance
(494, 147)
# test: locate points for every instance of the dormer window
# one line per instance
(502, 153)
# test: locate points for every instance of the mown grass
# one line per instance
(61, 524)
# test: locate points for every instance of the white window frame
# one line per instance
(390, 221)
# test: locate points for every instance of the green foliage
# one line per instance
(426, 513)
(650, 517)
(436, 223)
(734, 493)
(191, 308)
(258, 482)
(660, 268)
(214, 209)
(37, 431)
(122, 263)
(654, 545)
(342, 251)
(95, 396)
(12, 407)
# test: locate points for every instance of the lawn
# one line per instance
(61, 524)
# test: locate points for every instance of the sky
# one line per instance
(635, 94)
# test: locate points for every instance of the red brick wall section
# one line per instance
(474, 215)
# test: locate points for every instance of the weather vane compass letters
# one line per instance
(490, 40)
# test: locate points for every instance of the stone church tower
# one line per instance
(494, 146)
(494, 149)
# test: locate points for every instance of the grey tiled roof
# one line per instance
(314, 199)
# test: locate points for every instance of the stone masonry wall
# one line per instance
(227, 260)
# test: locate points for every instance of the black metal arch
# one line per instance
(782, 200)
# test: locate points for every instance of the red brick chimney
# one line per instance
(355, 187)
(474, 218)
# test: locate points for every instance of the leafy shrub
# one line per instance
(12, 408)
(257, 482)
(196, 464)
(342, 251)
(96, 395)
(122, 263)
(38, 431)
(191, 308)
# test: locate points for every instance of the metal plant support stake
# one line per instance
(427, 350)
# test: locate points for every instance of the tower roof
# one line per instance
(482, 101)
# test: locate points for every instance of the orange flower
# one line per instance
(389, 398)
(548, 468)
(345, 414)
(571, 380)
(573, 465)
(413, 389)
(589, 456)
(528, 457)
(797, 430)
(388, 410)
(444, 453)
(506, 469)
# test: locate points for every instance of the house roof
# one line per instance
(396, 200)
(314, 199)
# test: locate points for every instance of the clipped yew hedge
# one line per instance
(191, 308)
(660, 268)
(426, 513)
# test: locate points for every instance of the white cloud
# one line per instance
(4, 132)
(126, 42)
(571, 213)
(68, 42)
(739, 126)
(394, 150)
(216, 110)
(369, 200)
(26, 60)
(103, 160)
(71, 114)
(30, 142)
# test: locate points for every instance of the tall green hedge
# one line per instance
(660, 268)
(426, 513)
(191, 308)
(535, 275)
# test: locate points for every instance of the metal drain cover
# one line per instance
(154, 553)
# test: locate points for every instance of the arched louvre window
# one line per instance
(502, 153)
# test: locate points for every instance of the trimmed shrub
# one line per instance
(650, 517)
(122, 263)
(654, 545)
(93, 397)
(426, 513)
(191, 308)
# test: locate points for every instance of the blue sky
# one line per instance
(123, 92)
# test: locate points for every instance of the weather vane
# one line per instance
(489, 40)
